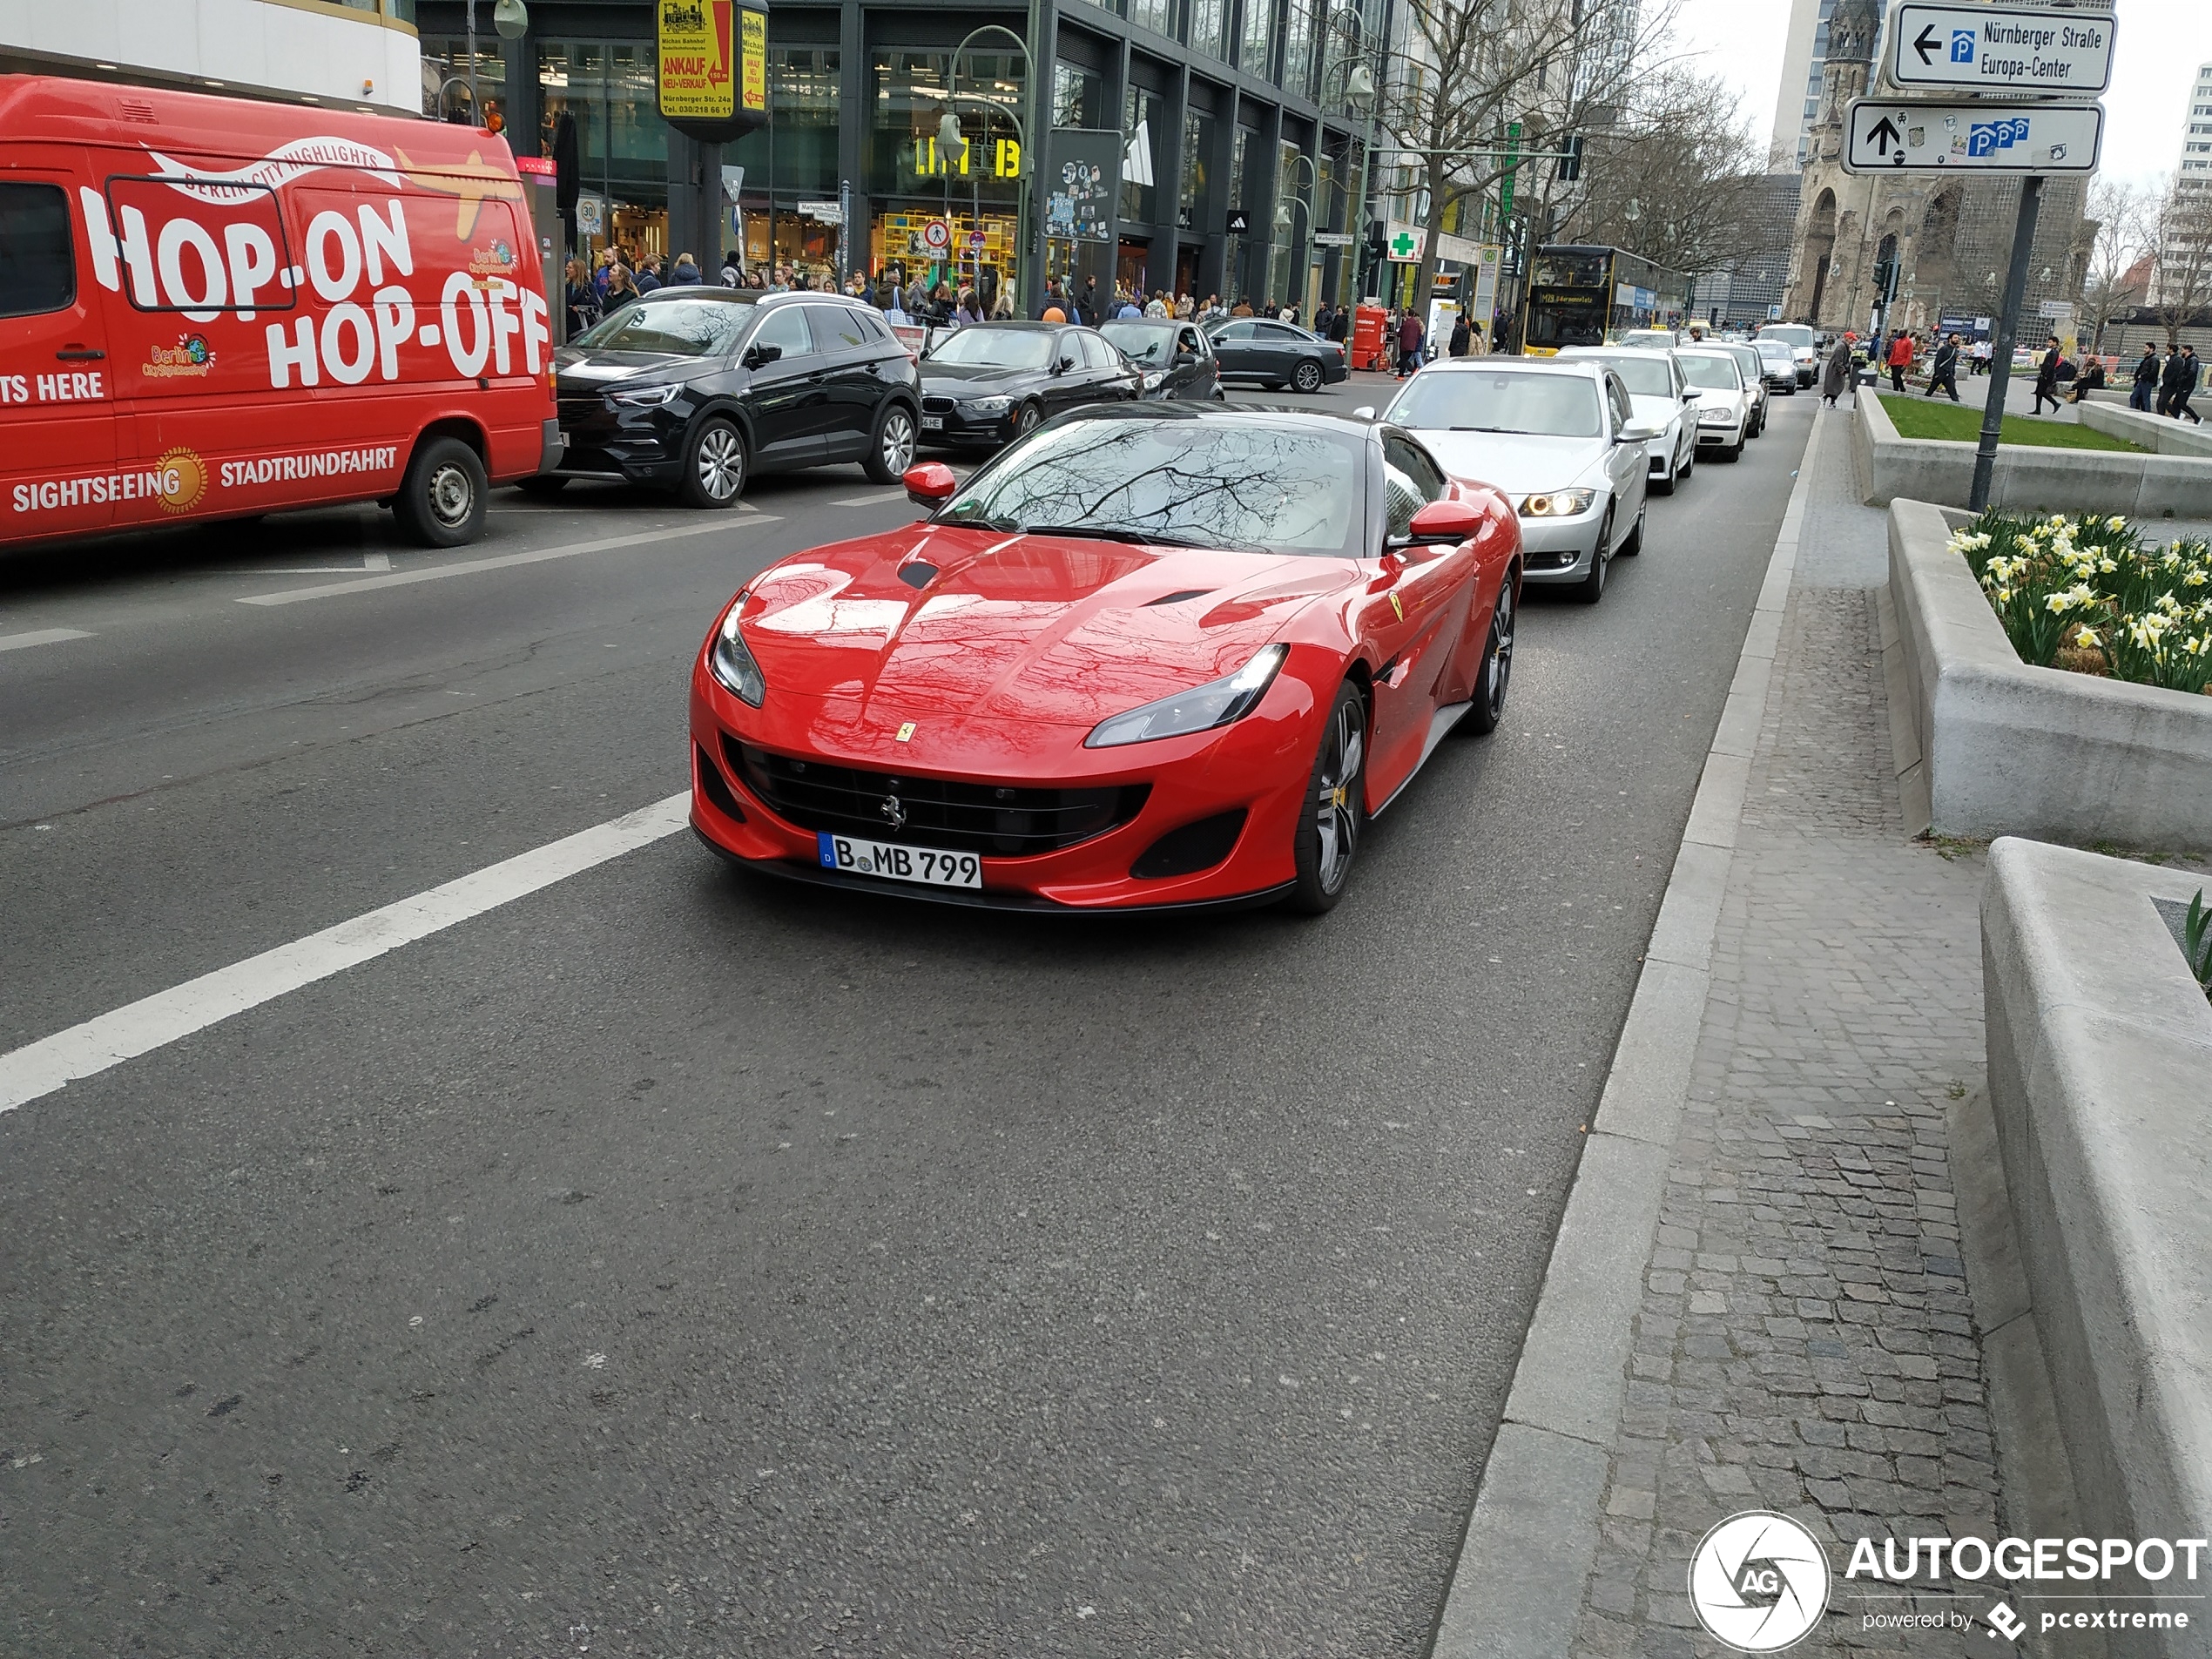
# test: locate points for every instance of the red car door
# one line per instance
(57, 414)
(1416, 613)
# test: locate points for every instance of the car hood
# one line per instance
(1020, 629)
(977, 379)
(590, 371)
(1653, 411)
(1519, 463)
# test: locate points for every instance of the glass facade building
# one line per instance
(1213, 100)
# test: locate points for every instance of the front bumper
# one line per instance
(643, 445)
(1260, 766)
(953, 424)
(1557, 551)
(1723, 437)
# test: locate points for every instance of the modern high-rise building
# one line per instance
(2183, 257)
(1798, 100)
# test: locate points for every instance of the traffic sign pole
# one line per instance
(2000, 361)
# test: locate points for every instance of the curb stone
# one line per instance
(1532, 1533)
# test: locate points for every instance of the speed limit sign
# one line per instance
(937, 236)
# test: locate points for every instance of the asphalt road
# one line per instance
(672, 1263)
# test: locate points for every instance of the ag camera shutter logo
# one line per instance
(1758, 1582)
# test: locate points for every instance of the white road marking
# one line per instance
(501, 561)
(870, 501)
(41, 637)
(85, 1050)
(376, 561)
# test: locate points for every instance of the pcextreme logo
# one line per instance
(1758, 1582)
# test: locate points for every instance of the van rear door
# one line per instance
(58, 426)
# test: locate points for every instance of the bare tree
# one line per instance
(1677, 179)
(1468, 70)
(2184, 281)
(2125, 215)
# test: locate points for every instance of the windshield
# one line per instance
(1718, 373)
(1549, 405)
(1746, 359)
(683, 327)
(1777, 350)
(1646, 373)
(1573, 268)
(1791, 333)
(995, 348)
(1143, 342)
(1250, 485)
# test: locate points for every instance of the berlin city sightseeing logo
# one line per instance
(1758, 1581)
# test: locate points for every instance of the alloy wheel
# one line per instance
(1307, 378)
(1335, 815)
(1500, 653)
(721, 463)
(898, 441)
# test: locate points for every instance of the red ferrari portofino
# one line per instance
(1151, 657)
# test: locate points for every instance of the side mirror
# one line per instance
(756, 356)
(930, 483)
(1183, 359)
(1448, 523)
(1637, 432)
(1364, 412)
(1692, 395)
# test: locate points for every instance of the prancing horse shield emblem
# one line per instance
(894, 810)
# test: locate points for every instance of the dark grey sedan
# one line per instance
(1277, 354)
(1174, 357)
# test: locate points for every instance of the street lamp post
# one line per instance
(954, 95)
(1286, 220)
(1362, 92)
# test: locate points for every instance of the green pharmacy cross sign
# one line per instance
(1401, 246)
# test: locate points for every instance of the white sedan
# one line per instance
(1724, 403)
(1663, 402)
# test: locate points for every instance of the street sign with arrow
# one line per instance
(1883, 136)
(2014, 51)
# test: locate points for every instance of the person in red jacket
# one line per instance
(1901, 355)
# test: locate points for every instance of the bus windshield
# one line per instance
(1573, 268)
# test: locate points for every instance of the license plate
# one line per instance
(921, 864)
(933, 423)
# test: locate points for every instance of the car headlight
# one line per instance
(1221, 703)
(732, 664)
(1557, 503)
(1155, 378)
(649, 397)
(1717, 417)
(985, 405)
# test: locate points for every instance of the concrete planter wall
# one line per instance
(1987, 746)
(2099, 1050)
(2175, 485)
(2150, 431)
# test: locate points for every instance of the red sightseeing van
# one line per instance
(212, 308)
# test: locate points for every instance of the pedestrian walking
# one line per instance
(1410, 335)
(2145, 395)
(1836, 378)
(1981, 357)
(1462, 342)
(1943, 369)
(2047, 376)
(1900, 359)
(2183, 374)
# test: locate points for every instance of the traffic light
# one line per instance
(1378, 239)
(1570, 165)
(1884, 278)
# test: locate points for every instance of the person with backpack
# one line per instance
(1943, 369)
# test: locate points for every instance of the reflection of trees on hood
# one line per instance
(1238, 487)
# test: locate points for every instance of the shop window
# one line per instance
(1256, 57)
(1197, 142)
(1143, 124)
(1154, 14)
(445, 61)
(1300, 62)
(622, 143)
(1078, 96)
(1209, 28)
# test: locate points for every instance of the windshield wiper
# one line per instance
(1505, 430)
(1114, 533)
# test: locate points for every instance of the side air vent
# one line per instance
(1191, 849)
(1178, 599)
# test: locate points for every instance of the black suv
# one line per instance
(699, 387)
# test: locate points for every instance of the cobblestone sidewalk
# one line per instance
(1806, 1341)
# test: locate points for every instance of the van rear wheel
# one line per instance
(441, 501)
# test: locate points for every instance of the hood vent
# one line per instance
(917, 573)
(1178, 599)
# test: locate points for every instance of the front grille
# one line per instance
(1001, 821)
(935, 405)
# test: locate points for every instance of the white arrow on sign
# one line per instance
(2011, 50)
(1883, 136)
